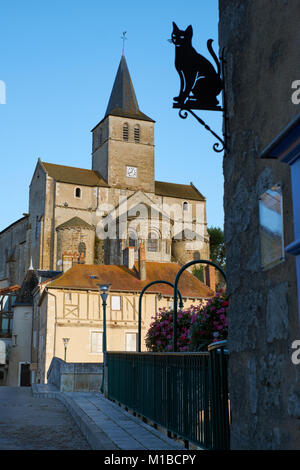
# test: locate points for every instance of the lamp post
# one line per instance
(65, 341)
(104, 289)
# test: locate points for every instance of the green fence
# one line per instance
(186, 393)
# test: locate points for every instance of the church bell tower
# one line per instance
(123, 142)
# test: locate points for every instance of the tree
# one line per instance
(217, 246)
(198, 272)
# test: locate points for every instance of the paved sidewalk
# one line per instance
(107, 426)
(29, 423)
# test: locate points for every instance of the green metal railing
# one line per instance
(186, 393)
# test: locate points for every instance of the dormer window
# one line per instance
(78, 193)
(125, 132)
(136, 133)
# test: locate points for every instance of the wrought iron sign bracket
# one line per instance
(183, 113)
(200, 81)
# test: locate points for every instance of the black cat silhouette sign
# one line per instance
(200, 82)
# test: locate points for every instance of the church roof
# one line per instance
(123, 101)
(123, 279)
(74, 223)
(182, 191)
(73, 175)
(83, 177)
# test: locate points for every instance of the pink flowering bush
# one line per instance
(209, 323)
(197, 326)
(159, 337)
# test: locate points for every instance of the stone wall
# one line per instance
(112, 157)
(13, 251)
(261, 41)
(70, 239)
(75, 377)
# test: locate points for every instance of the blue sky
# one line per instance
(59, 60)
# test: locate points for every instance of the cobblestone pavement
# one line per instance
(29, 423)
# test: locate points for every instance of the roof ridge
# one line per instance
(74, 175)
(69, 166)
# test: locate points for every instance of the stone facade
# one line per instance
(121, 186)
(261, 49)
(77, 315)
(112, 154)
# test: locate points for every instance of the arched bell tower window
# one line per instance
(136, 133)
(125, 132)
(185, 206)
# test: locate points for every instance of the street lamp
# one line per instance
(104, 289)
(66, 341)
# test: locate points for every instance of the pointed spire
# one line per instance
(31, 268)
(123, 101)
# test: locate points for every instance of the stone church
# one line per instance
(91, 216)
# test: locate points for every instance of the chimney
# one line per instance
(210, 276)
(128, 257)
(67, 261)
(142, 262)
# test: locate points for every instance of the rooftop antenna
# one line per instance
(123, 37)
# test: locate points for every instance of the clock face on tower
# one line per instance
(131, 171)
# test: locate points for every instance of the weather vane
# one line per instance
(123, 37)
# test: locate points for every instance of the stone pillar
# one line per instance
(67, 261)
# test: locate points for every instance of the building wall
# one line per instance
(69, 239)
(76, 314)
(21, 352)
(114, 154)
(13, 251)
(37, 202)
(261, 47)
(52, 203)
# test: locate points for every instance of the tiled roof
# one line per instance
(75, 222)
(123, 279)
(182, 191)
(9, 290)
(83, 177)
(70, 174)
(122, 101)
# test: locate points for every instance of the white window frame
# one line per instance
(91, 342)
(112, 304)
(136, 341)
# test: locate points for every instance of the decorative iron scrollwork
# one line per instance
(200, 83)
(183, 113)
